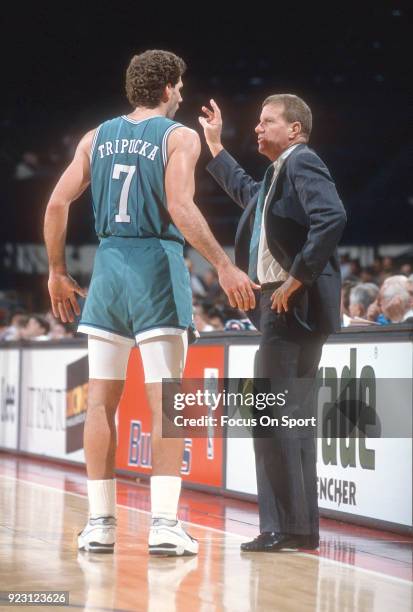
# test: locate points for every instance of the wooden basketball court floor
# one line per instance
(43, 506)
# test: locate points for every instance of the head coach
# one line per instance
(286, 239)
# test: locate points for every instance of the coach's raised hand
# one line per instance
(212, 124)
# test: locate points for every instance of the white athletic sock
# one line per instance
(165, 491)
(102, 497)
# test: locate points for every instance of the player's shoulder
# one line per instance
(112, 122)
(87, 140)
(184, 134)
(185, 140)
(170, 126)
(92, 134)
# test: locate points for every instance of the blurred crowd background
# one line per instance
(350, 63)
(381, 294)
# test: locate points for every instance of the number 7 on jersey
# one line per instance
(122, 216)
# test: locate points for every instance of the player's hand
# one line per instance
(63, 289)
(237, 286)
(281, 296)
(212, 124)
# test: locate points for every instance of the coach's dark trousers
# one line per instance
(286, 464)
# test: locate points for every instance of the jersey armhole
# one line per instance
(165, 141)
(92, 148)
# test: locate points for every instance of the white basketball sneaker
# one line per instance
(169, 539)
(99, 535)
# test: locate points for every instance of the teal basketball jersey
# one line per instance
(128, 161)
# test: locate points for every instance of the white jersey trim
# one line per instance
(165, 141)
(95, 137)
(159, 331)
(149, 333)
(136, 121)
(103, 333)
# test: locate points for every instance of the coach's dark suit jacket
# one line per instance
(304, 221)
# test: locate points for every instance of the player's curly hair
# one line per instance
(149, 73)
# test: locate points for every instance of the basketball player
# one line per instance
(141, 169)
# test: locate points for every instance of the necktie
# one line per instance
(256, 230)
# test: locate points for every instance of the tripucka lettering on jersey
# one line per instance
(137, 146)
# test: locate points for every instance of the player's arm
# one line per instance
(71, 185)
(183, 151)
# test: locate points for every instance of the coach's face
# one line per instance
(274, 133)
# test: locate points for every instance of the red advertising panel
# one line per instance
(203, 457)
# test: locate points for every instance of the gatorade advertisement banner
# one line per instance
(364, 476)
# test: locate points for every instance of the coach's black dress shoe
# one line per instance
(276, 542)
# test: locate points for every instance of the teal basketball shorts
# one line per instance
(140, 289)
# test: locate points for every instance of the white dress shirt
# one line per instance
(268, 269)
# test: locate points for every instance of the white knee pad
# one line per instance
(164, 357)
(108, 359)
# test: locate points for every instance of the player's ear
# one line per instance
(167, 92)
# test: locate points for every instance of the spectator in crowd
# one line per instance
(216, 318)
(367, 275)
(355, 270)
(28, 167)
(198, 289)
(22, 326)
(201, 320)
(394, 285)
(361, 296)
(355, 301)
(17, 323)
(3, 321)
(58, 330)
(384, 268)
(406, 269)
(375, 314)
(345, 267)
(395, 300)
(209, 317)
(236, 320)
(410, 284)
(212, 286)
(377, 267)
(387, 266)
(346, 287)
(37, 328)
